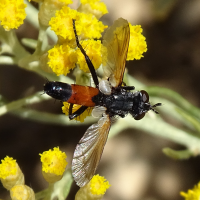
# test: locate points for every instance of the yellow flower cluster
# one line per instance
(12, 179)
(53, 166)
(87, 27)
(12, 13)
(62, 59)
(137, 44)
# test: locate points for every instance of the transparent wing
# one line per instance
(116, 40)
(89, 150)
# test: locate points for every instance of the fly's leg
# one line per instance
(87, 59)
(128, 87)
(76, 113)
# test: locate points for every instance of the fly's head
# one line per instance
(142, 105)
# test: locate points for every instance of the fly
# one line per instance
(109, 99)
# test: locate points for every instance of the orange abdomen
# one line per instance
(82, 95)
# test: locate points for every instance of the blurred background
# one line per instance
(132, 161)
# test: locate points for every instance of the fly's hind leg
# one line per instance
(87, 59)
(76, 113)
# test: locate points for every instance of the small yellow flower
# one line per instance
(95, 7)
(62, 25)
(137, 44)
(99, 185)
(22, 192)
(94, 190)
(8, 167)
(87, 25)
(48, 9)
(10, 173)
(94, 51)
(62, 58)
(12, 13)
(91, 27)
(81, 117)
(53, 164)
(193, 194)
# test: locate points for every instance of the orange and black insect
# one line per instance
(109, 99)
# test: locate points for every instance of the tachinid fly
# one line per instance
(109, 99)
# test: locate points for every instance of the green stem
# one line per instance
(42, 41)
(7, 60)
(32, 18)
(49, 118)
(17, 49)
(156, 126)
(38, 97)
(175, 97)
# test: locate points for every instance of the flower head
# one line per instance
(22, 192)
(94, 190)
(193, 194)
(12, 13)
(62, 25)
(10, 173)
(95, 7)
(62, 59)
(99, 185)
(87, 25)
(53, 164)
(137, 44)
(48, 9)
(91, 26)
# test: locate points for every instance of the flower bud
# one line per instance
(53, 164)
(10, 173)
(94, 190)
(22, 192)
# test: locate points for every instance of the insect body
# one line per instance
(109, 99)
